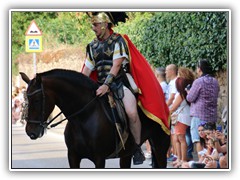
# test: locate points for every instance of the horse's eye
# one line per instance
(37, 101)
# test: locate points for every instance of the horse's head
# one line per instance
(39, 106)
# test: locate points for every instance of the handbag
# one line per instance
(174, 116)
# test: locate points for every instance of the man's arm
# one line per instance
(86, 71)
(114, 71)
(117, 63)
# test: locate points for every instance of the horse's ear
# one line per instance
(38, 79)
(24, 77)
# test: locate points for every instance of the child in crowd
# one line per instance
(203, 144)
(16, 110)
(208, 157)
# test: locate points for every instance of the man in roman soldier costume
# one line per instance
(109, 56)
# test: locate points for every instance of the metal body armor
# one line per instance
(101, 53)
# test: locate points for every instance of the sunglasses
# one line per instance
(209, 126)
(202, 124)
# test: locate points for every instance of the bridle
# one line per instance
(43, 123)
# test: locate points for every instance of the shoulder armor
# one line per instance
(122, 43)
(94, 43)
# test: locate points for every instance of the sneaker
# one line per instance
(138, 156)
(171, 158)
(171, 155)
(150, 163)
(148, 155)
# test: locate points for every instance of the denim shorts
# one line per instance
(194, 129)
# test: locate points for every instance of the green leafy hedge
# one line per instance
(181, 37)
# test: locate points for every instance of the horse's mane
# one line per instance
(71, 76)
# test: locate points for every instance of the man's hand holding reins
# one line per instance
(103, 89)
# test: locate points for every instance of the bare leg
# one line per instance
(183, 143)
(198, 148)
(130, 105)
(148, 146)
(223, 161)
(178, 149)
(177, 146)
(173, 142)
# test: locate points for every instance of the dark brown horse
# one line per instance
(90, 133)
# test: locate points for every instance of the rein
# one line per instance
(74, 114)
(45, 124)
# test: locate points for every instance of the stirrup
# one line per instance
(138, 156)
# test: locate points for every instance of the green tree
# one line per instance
(19, 24)
(162, 37)
(180, 37)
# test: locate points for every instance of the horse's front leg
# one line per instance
(74, 160)
(125, 162)
(99, 163)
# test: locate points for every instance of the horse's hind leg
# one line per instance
(73, 160)
(159, 151)
(125, 162)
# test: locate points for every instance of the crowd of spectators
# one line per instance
(17, 101)
(193, 96)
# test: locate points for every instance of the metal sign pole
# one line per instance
(34, 63)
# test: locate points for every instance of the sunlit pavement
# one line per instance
(50, 151)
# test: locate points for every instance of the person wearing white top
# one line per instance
(171, 76)
(161, 77)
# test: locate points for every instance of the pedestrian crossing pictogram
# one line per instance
(34, 44)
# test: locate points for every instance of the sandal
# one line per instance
(175, 162)
(178, 165)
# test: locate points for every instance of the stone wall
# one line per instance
(73, 58)
(70, 58)
(222, 78)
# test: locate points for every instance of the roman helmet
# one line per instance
(111, 18)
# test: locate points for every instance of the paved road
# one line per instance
(49, 151)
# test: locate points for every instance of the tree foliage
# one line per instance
(181, 38)
(19, 24)
(72, 28)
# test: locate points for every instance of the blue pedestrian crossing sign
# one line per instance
(33, 43)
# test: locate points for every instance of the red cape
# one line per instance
(151, 98)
